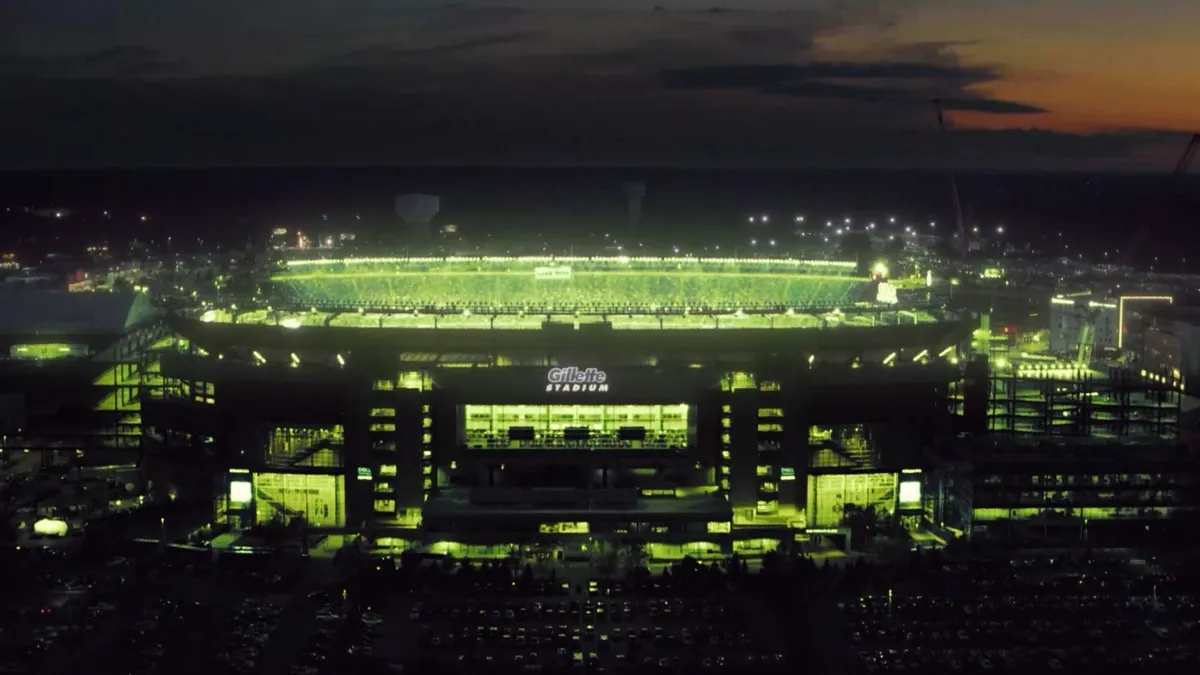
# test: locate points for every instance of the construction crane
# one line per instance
(1185, 162)
(958, 213)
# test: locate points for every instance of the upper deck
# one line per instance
(594, 285)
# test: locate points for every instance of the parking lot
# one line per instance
(428, 619)
(1030, 616)
(159, 614)
(56, 607)
(142, 614)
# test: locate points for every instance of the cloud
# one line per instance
(902, 82)
(112, 62)
(279, 121)
(526, 81)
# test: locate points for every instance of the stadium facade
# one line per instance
(71, 370)
(693, 406)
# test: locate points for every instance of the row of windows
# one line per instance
(413, 379)
(768, 488)
(1087, 512)
(389, 427)
(1081, 480)
(199, 392)
(726, 454)
(1103, 498)
(763, 427)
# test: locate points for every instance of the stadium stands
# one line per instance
(584, 288)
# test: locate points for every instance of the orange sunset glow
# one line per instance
(1100, 83)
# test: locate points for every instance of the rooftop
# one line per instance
(217, 336)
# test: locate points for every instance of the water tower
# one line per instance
(418, 211)
(636, 192)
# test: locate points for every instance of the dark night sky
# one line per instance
(1033, 84)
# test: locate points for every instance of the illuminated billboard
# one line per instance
(576, 380)
(319, 499)
(910, 494)
(241, 492)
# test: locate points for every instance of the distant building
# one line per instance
(1171, 345)
(1094, 490)
(1167, 348)
(1070, 318)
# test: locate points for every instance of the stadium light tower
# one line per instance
(635, 192)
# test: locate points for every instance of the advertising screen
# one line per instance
(284, 496)
(241, 492)
(910, 494)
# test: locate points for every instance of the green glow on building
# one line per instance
(47, 351)
(486, 426)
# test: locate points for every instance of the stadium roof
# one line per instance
(59, 313)
(217, 336)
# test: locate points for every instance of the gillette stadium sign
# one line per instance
(576, 380)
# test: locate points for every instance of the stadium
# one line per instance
(470, 405)
(682, 406)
